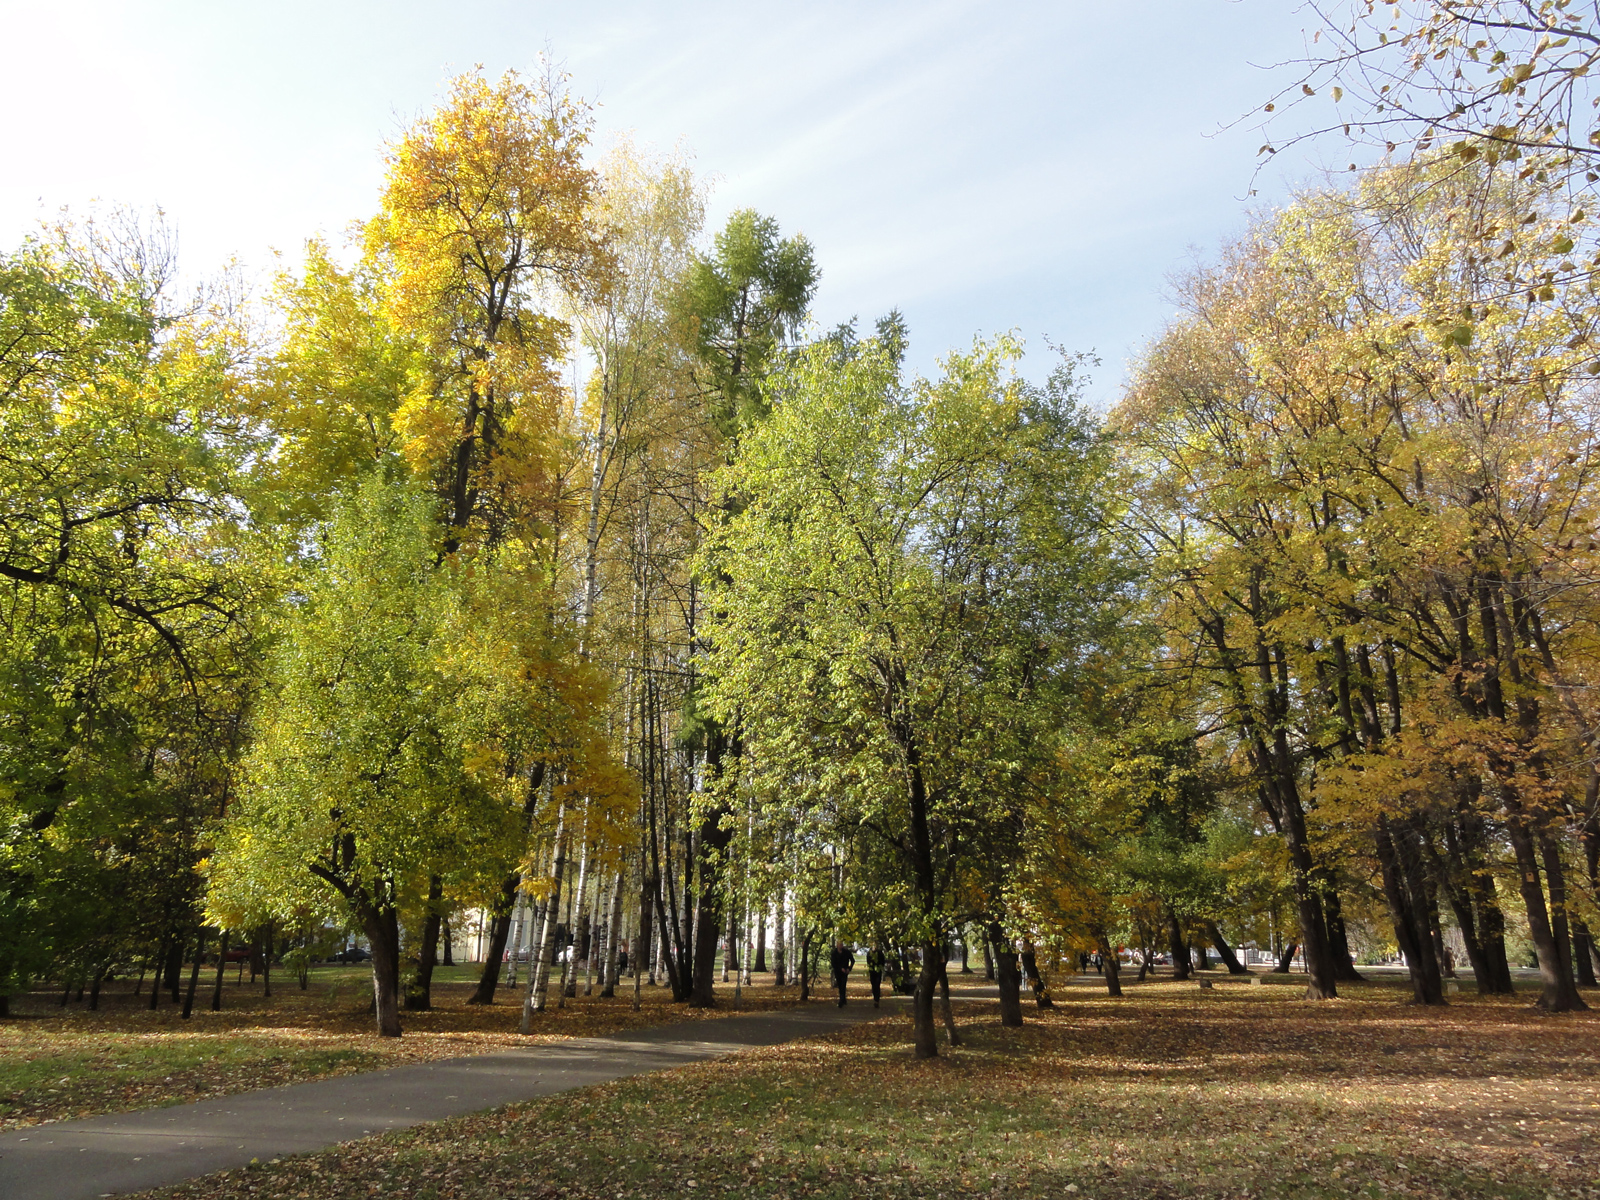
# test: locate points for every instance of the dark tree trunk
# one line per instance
(966, 968)
(222, 965)
(382, 926)
(644, 942)
(675, 980)
(1493, 924)
(1560, 990)
(94, 988)
(1591, 857)
(944, 1003)
(1344, 964)
(155, 975)
(493, 958)
(1113, 967)
(194, 971)
(1453, 876)
(419, 989)
(1436, 927)
(1286, 960)
(1224, 951)
(1466, 838)
(1030, 967)
(1178, 946)
(715, 836)
(447, 937)
(500, 914)
(926, 1045)
(760, 965)
(504, 903)
(172, 975)
(1408, 917)
(1583, 953)
(988, 959)
(782, 949)
(804, 966)
(1008, 977)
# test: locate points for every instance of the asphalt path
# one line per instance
(129, 1152)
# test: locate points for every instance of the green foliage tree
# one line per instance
(888, 644)
(361, 773)
(127, 584)
(745, 300)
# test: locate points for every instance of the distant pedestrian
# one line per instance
(843, 961)
(877, 963)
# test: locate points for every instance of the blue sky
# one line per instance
(1043, 167)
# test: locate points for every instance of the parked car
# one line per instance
(352, 954)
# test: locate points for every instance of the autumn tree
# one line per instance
(1502, 79)
(485, 218)
(1338, 438)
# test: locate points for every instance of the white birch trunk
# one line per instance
(569, 964)
(613, 938)
(539, 967)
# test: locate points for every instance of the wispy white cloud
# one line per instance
(983, 166)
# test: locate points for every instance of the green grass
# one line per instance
(1170, 1093)
(122, 1072)
(66, 1061)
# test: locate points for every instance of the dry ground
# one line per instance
(60, 1062)
(1170, 1092)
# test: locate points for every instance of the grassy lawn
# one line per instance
(57, 1062)
(1171, 1092)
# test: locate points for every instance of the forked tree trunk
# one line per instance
(1410, 930)
(1560, 991)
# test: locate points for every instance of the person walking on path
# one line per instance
(877, 960)
(844, 960)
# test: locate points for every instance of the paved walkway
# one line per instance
(128, 1152)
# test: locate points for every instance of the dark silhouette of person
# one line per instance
(877, 963)
(843, 960)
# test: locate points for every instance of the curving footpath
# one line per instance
(129, 1152)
